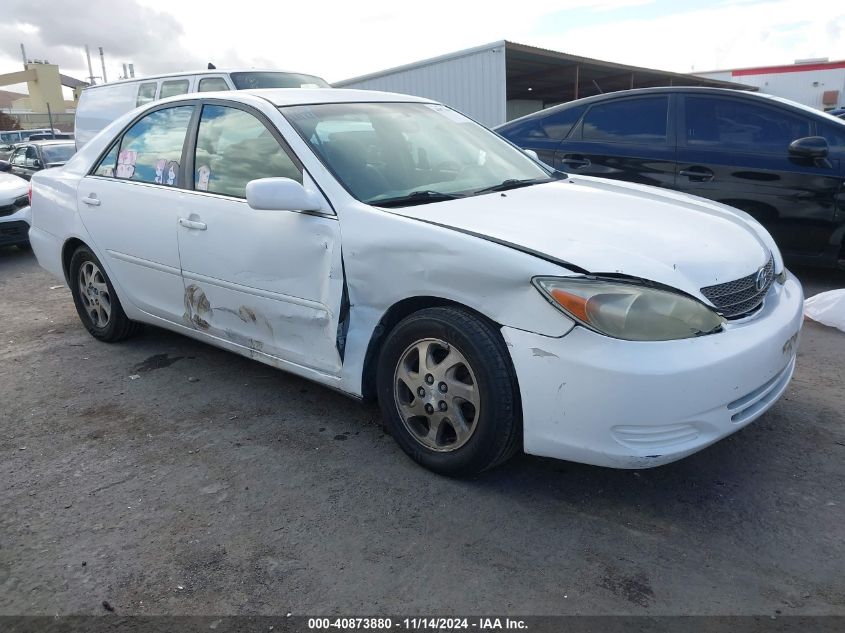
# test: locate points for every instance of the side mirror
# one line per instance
(37, 164)
(281, 194)
(5, 165)
(814, 147)
(532, 154)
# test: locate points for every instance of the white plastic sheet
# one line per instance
(827, 308)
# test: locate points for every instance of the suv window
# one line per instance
(31, 157)
(173, 88)
(234, 147)
(146, 94)
(212, 84)
(628, 121)
(20, 156)
(151, 149)
(714, 121)
(559, 124)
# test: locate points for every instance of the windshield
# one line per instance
(10, 137)
(249, 80)
(58, 153)
(424, 152)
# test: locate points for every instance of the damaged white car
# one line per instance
(386, 246)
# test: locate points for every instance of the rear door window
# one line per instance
(151, 150)
(212, 84)
(174, 87)
(641, 121)
(732, 123)
(146, 93)
(234, 147)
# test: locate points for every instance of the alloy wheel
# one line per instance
(437, 394)
(94, 292)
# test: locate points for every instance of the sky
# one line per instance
(342, 39)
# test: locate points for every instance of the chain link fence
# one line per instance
(32, 121)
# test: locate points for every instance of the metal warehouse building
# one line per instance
(501, 81)
(817, 83)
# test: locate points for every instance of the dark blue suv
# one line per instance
(780, 161)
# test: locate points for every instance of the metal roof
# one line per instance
(552, 75)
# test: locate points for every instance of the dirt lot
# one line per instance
(213, 484)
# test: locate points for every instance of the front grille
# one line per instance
(19, 203)
(739, 297)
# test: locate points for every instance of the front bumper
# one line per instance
(14, 228)
(626, 404)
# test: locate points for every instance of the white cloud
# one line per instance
(340, 39)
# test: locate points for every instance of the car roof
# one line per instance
(49, 141)
(301, 96)
(661, 90)
(313, 96)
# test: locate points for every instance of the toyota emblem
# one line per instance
(760, 279)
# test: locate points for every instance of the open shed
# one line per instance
(504, 80)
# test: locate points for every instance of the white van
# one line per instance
(102, 104)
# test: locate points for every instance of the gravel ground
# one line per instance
(167, 477)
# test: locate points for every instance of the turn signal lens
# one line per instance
(29, 194)
(628, 310)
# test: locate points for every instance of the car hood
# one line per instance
(11, 187)
(608, 227)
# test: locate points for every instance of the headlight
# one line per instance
(628, 310)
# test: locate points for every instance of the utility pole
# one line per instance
(103, 63)
(132, 70)
(90, 69)
(23, 54)
(50, 117)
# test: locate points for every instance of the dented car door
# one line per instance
(269, 281)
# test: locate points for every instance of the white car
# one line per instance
(386, 246)
(14, 211)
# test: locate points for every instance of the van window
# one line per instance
(173, 88)
(627, 121)
(146, 93)
(233, 147)
(714, 121)
(151, 149)
(212, 84)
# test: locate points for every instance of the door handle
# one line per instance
(697, 174)
(91, 200)
(192, 224)
(575, 163)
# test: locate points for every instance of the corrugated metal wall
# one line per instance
(472, 82)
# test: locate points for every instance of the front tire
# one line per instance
(448, 391)
(95, 299)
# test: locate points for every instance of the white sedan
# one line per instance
(387, 246)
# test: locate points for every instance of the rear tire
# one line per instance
(95, 299)
(448, 391)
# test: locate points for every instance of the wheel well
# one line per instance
(391, 318)
(68, 249)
